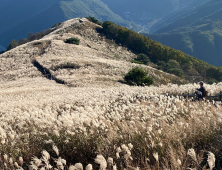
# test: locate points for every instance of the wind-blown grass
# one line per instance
(85, 122)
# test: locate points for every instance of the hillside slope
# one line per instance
(96, 62)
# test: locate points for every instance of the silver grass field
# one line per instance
(95, 122)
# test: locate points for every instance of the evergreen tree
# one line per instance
(13, 44)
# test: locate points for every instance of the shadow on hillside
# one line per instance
(46, 72)
(123, 82)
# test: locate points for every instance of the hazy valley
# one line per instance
(197, 33)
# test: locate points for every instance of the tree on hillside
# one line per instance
(94, 20)
(137, 76)
(13, 44)
(172, 66)
(23, 41)
(143, 58)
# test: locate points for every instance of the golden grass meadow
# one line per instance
(93, 121)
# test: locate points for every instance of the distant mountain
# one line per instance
(18, 18)
(192, 17)
(198, 34)
(14, 12)
(37, 15)
(144, 11)
(191, 8)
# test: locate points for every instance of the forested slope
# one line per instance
(167, 58)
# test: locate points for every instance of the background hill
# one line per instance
(149, 13)
(18, 18)
(173, 16)
(95, 62)
(198, 34)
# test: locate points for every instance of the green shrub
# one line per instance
(176, 71)
(135, 61)
(65, 66)
(212, 81)
(137, 76)
(143, 58)
(72, 41)
(94, 20)
(56, 25)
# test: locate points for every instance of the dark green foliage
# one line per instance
(135, 61)
(211, 81)
(172, 67)
(23, 41)
(65, 66)
(72, 41)
(141, 44)
(214, 73)
(38, 35)
(13, 44)
(31, 37)
(94, 20)
(137, 76)
(176, 71)
(143, 58)
(56, 25)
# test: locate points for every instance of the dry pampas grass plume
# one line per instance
(79, 166)
(101, 161)
(211, 160)
(192, 154)
(89, 167)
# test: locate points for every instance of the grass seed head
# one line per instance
(155, 155)
(89, 167)
(192, 154)
(16, 165)
(211, 160)
(101, 161)
(56, 150)
(79, 166)
(72, 167)
(20, 161)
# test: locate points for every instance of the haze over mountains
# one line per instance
(21, 17)
(149, 12)
(18, 18)
(198, 33)
(192, 26)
